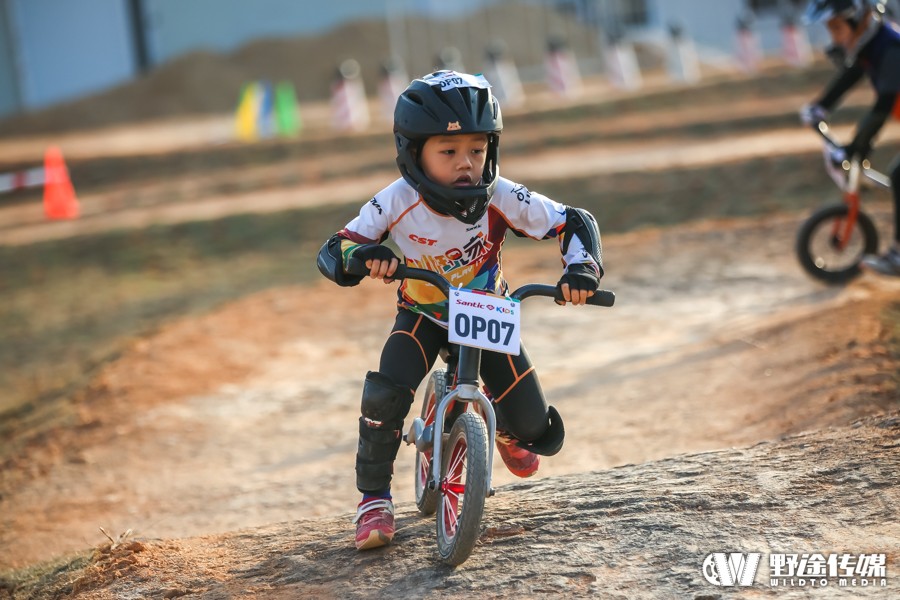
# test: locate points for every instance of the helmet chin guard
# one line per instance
(448, 103)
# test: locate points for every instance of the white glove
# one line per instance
(812, 114)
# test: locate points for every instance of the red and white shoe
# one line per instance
(519, 461)
(374, 523)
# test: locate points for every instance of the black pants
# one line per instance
(895, 184)
(410, 352)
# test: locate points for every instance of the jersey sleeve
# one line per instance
(369, 227)
(871, 124)
(846, 78)
(530, 214)
(887, 87)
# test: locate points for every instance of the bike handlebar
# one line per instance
(600, 297)
(824, 131)
(861, 165)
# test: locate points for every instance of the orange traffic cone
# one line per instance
(59, 195)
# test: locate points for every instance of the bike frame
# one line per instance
(467, 388)
(856, 171)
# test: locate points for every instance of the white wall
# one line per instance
(178, 26)
(68, 48)
(713, 23)
(9, 87)
(707, 22)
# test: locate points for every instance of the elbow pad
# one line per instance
(331, 263)
(581, 224)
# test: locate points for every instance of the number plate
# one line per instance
(483, 320)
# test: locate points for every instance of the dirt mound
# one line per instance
(199, 82)
(637, 531)
(208, 83)
(202, 82)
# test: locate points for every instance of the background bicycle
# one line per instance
(832, 242)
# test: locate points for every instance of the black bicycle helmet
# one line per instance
(448, 103)
(819, 11)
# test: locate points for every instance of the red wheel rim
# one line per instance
(453, 487)
(425, 462)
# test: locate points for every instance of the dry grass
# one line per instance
(70, 576)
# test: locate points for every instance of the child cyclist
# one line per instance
(450, 212)
(871, 46)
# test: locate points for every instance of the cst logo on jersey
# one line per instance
(422, 240)
(472, 253)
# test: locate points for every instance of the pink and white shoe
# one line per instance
(374, 523)
(519, 461)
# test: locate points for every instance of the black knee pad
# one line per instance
(384, 401)
(375, 456)
(551, 441)
(384, 406)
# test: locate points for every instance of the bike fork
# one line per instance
(843, 229)
(851, 198)
(465, 392)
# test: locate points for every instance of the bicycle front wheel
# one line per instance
(830, 249)
(463, 488)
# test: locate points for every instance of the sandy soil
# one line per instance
(247, 416)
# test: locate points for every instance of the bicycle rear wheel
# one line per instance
(463, 488)
(830, 253)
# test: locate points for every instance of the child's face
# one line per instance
(455, 160)
(842, 34)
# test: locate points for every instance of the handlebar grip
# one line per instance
(356, 267)
(602, 298)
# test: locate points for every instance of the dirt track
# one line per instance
(247, 417)
(636, 532)
(716, 346)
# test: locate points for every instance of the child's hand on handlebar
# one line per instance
(382, 269)
(380, 260)
(578, 283)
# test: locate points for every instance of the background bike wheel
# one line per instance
(426, 500)
(819, 249)
(463, 488)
